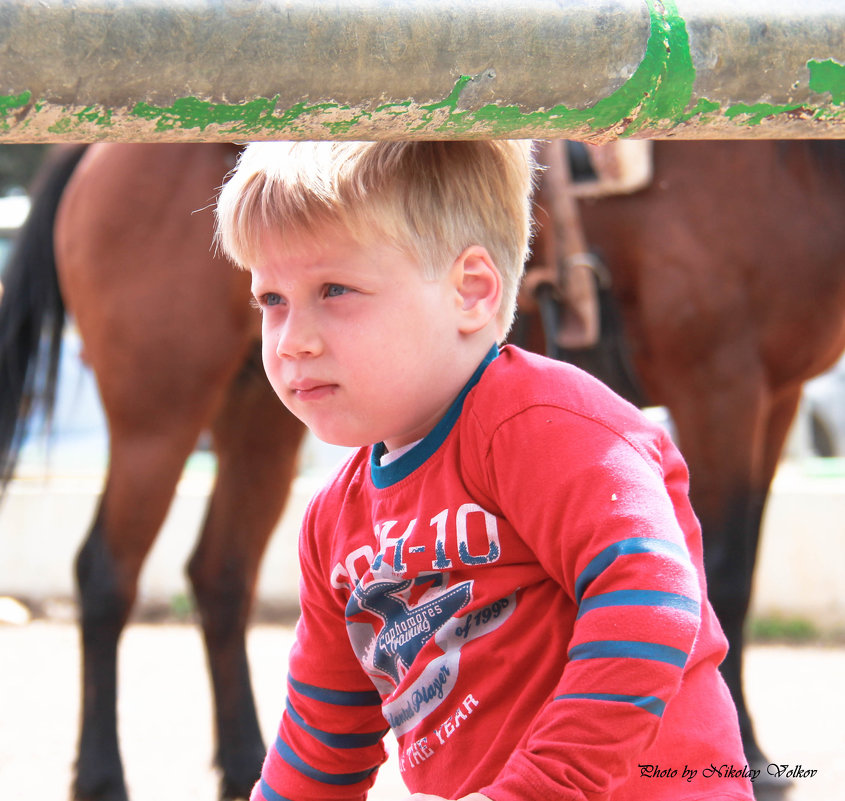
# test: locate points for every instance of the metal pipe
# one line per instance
(594, 70)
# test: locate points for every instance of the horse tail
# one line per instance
(32, 312)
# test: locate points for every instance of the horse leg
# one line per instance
(778, 419)
(781, 412)
(139, 488)
(166, 326)
(732, 441)
(722, 435)
(256, 441)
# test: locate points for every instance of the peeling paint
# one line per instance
(657, 92)
(828, 76)
(658, 98)
(9, 104)
(825, 77)
(755, 113)
(703, 106)
(81, 120)
(190, 112)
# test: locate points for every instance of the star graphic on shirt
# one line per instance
(406, 627)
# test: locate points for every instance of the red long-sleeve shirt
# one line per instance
(521, 598)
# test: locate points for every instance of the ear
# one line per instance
(479, 286)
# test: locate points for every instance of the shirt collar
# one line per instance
(385, 475)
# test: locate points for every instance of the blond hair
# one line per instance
(431, 199)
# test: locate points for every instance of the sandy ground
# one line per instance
(796, 694)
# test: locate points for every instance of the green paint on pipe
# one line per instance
(189, 112)
(80, 120)
(256, 116)
(828, 76)
(658, 95)
(658, 91)
(94, 116)
(63, 126)
(661, 88)
(755, 113)
(9, 103)
(703, 107)
(825, 76)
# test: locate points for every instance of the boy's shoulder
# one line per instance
(527, 406)
(556, 406)
(517, 380)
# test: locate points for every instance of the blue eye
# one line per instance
(266, 300)
(335, 290)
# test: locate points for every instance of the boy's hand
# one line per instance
(427, 797)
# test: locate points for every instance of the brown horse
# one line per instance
(168, 331)
(728, 273)
(728, 279)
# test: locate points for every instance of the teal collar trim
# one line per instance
(385, 475)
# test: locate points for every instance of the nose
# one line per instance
(298, 336)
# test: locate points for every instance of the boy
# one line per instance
(507, 573)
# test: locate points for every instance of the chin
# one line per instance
(341, 439)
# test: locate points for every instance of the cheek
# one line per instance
(268, 355)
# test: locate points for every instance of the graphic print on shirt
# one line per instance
(391, 618)
(408, 626)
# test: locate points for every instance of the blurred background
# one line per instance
(797, 625)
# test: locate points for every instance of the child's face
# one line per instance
(356, 341)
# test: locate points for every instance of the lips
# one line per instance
(311, 389)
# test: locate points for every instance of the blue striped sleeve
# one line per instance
(333, 740)
(640, 598)
(626, 547)
(336, 697)
(647, 702)
(289, 756)
(269, 793)
(628, 649)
